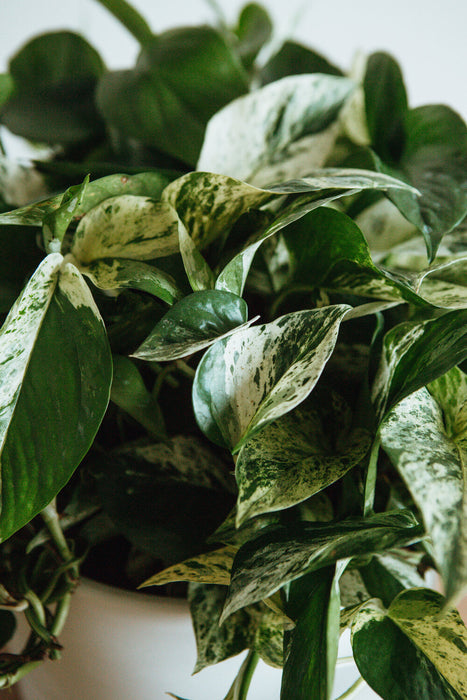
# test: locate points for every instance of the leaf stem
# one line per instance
(352, 691)
(52, 521)
(247, 671)
(130, 18)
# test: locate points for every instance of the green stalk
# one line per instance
(246, 674)
(130, 18)
(52, 521)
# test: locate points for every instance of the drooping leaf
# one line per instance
(54, 78)
(212, 567)
(256, 627)
(194, 323)
(298, 455)
(126, 226)
(311, 647)
(425, 438)
(282, 554)
(410, 650)
(415, 354)
(182, 77)
(260, 128)
(68, 399)
(118, 273)
(257, 375)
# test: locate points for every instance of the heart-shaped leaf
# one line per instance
(411, 649)
(182, 77)
(55, 310)
(425, 438)
(257, 375)
(194, 323)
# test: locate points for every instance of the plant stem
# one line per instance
(247, 671)
(352, 691)
(130, 18)
(52, 521)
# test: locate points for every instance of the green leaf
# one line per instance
(257, 375)
(213, 567)
(194, 323)
(411, 650)
(257, 628)
(55, 310)
(386, 575)
(293, 59)
(385, 105)
(425, 438)
(282, 554)
(126, 226)
(254, 29)
(311, 647)
(55, 223)
(182, 77)
(54, 78)
(415, 354)
(298, 455)
(132, 274)
(200, 275)
(130, 393)
(261, 128)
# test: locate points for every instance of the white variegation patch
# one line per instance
(126, 226)
(73, 286)
(19, 334)
(213, 568)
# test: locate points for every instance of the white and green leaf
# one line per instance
(212, 567)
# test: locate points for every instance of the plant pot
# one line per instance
(120, 645)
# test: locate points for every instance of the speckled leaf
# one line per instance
(194, 323)
(297, 456)
(410, 650)
(425, 436)
(256, 627)
(283, 554)
(416, 353)
(126, 226)
(257, 375)
(255, 130)
(200, 275)
(118, 273)
(55, 310)
(213, 567)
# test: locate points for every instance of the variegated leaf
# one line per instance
(297, 456)
(200, 275)
(126, 226)
(284, 553)
(55, 223)
(425, 436)
(257, 628)
(66, 392)
(257, 375)
(118, 273)
(213, 568)
(416, 353)
(411, 649)
(194, 323)
(258, 129)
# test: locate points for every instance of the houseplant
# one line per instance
(273, 275)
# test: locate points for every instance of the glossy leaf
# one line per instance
(257, 628)
(182, 77)
(212, 567)
(282, 554)
(118, 273)
(260, 128)
(411, 650)
(311, 647)
(425, 438)
(257, 375)
(55, 76)
(55, 310)
(194, 323)
(298, 455)
(126, 226)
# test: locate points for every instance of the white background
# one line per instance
(428, 37)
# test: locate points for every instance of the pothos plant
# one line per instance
(262, 265)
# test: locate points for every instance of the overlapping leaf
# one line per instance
(425, 437)
(256, 375)
(213, 567)
(411, 650)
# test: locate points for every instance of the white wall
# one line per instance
(428, 37)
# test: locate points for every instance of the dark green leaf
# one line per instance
(292, 59)
(253, 31)
(67, 398)
(194, 323)
(181, 79)
(54, 77)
